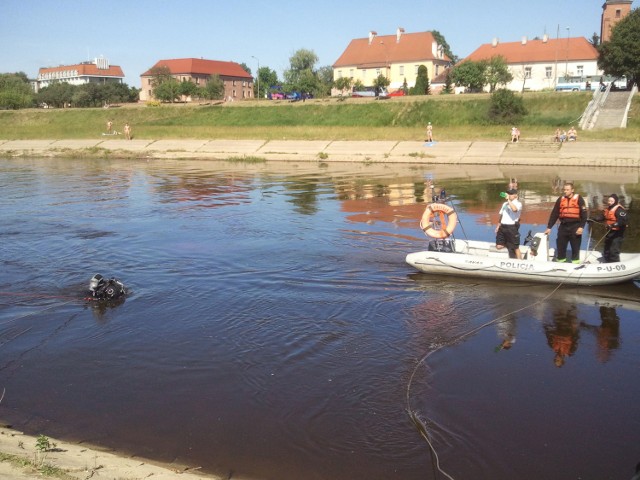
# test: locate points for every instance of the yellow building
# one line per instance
(397, 57)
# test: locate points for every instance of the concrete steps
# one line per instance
(611, 114)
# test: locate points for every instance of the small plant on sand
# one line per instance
(43, 446)
(323, 155)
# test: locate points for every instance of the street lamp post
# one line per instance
(566, 66)
(258, 75)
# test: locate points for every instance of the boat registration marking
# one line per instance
(612, 268)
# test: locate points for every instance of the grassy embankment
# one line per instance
(459, 117)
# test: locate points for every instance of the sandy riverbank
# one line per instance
(71, 461)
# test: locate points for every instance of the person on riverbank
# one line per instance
(109, 127)
(572, 134)
(615, 217)
(507, 230)
(127, 131)
(429, 133)
(571, 210)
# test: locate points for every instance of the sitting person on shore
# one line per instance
(563, 136)
(556, 137)
(572, 135)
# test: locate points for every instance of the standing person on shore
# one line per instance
(571, 210)
(109, 127)
(507, 230)
(127, 131)
(615, 216)
(429, 133)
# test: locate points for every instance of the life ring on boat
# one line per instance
(447, 218)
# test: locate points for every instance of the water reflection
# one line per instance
(274, 322)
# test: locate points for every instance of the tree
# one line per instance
(246, 68)
(167, 91)
(267, 78)
(620, 56)
(214, 89)
(405, 86)
(15, 91)
(506, 107)
(343, 84)
(380, 83)
(188, 89)
(325, 80)
(422, 86)
(470, 75)
(448, 84)
(595, 39)
(58, 94)
(160, 75)
(497, 72)
(445, 46)
(301, 75)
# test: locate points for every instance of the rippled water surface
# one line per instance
(273, 330)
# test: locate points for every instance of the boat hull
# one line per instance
(481, 260)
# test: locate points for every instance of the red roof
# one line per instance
(86, 69)
(534, 51)
(385, 49)
(190, 66)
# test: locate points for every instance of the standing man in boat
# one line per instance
(571, 210)
(615, 216)
(507, 231)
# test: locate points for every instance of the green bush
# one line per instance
(506, 107)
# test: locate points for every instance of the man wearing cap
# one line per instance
(507, 234)
(571, 210)
(615, 216)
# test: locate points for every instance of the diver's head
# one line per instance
(96, 281)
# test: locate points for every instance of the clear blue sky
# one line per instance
(136, 33)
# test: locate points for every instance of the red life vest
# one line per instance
(569, 207)
(610, 216)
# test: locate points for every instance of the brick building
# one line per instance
(238, 84)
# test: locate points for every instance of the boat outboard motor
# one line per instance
(535, 244)
(106, 289)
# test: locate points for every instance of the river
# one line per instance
(273, 330)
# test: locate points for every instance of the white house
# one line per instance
(541, 64)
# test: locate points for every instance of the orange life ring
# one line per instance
(442, 225)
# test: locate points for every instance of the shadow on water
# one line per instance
(274, 330)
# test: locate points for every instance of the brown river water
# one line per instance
(274, 331)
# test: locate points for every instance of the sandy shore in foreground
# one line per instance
(83, 462)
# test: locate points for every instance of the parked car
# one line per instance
(397, 93)
(276, 96)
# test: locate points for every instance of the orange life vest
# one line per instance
(610, 216)
(569, 207)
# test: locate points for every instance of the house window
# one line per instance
(364, 73)
(580, 69)
(416, 69)
(527, 72)
(401, 69)
(351, 73)
(234, 93)
(339, 73)
(378, 72)
(547, 72)
(437, 70)
(618, 13)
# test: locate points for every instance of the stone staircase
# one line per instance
(536, 147)
(613, 113)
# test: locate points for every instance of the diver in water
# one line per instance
(106, 289)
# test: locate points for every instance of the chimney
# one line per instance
(399, 33)
(372, 35)
(524, 40)
(494, 42)
(545, 38)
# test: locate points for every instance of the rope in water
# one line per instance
(413, 414)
